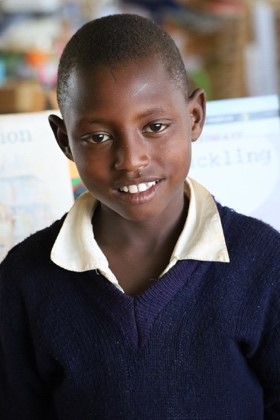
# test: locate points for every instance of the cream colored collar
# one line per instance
(202, 238)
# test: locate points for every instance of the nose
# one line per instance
(132, 153)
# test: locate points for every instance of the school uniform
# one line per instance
(202, 342)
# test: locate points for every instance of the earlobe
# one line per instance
(59, 130)
(196, 107)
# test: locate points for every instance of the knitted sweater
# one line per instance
(203, 342)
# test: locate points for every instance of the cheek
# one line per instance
(92, 168)
(182, 161)
(179, 151)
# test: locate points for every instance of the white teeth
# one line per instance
(142, 187)
(133, 189)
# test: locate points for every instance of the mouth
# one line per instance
(137, 188)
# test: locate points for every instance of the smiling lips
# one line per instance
(137, 188)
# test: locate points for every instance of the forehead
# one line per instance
(128, 78)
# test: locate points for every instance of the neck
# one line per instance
(112, 229)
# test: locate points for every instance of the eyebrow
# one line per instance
(146, 113)
(154, 110)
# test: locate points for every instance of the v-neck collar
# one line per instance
(135, 316)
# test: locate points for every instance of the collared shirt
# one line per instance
(202, 237)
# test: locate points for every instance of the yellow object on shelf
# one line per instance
(22, 96)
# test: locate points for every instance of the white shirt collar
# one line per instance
(202, 238)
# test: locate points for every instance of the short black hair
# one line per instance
(118, 38)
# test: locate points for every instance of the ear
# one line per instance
(60, 133)
(196, 108)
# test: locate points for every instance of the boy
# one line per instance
(148, 300)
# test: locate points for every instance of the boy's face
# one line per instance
(129, 130)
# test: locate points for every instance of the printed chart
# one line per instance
(238, 156)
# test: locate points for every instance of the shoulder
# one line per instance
(251, 242)
(246, 228)
(252, 274)
(32, 249)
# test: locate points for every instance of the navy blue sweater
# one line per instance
(203, 342)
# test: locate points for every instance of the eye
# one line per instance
(96, 138)
(156, 127)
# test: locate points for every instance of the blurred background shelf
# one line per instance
(230, 47)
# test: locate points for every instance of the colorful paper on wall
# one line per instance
(35, 182)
